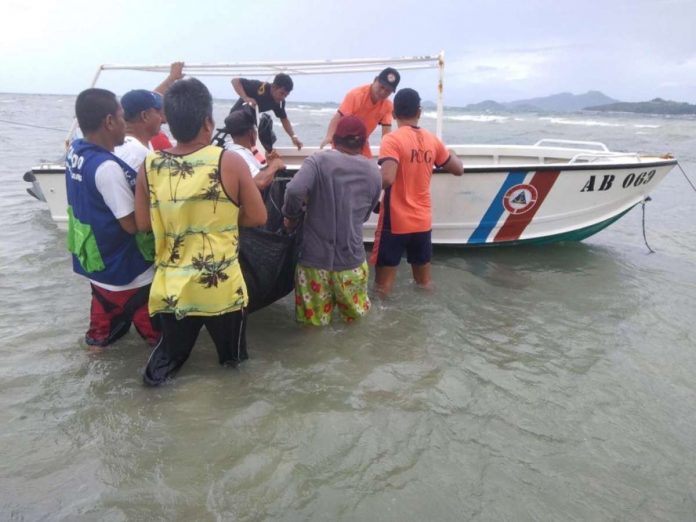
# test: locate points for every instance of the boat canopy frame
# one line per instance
(299, 68)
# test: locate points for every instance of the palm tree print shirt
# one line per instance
(196, 236)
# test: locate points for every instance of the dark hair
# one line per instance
(350, 142)
(284, 81)
(92, 106)
(187, 104)
(241, 121)
(406, 103)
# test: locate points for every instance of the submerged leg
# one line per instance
(178, 338)
(108, 321)
(228, 332)
(422, 275)
(385, 276)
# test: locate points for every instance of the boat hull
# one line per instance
(494, 205)
(526, 205)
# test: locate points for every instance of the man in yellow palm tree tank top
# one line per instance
(194, 197)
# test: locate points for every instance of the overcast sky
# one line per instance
(632, 50)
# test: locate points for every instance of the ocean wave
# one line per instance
(479, 118)
(646, 126)
(311, 109)
(584, 123)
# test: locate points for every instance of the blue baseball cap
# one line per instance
(138, 100)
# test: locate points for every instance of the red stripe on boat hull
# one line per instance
(516, 223)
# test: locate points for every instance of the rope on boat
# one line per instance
(687, 177)
(648, 198)
(32, 126)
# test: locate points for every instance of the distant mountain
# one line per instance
(655, 106)
(561, 102)
(486, 106)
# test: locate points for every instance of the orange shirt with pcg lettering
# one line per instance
(416, 151)
(358, 103)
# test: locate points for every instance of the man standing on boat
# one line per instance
(339, 189)
(407, 157)
(371, 104)
(267, 96)
(102, 234)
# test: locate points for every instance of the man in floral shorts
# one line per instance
(337, 189)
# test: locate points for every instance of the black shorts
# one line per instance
(228, 332)
(391, 247)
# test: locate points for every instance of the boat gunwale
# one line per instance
(55, 168)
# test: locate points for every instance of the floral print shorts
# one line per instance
(318, 291)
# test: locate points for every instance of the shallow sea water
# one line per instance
(534, 383)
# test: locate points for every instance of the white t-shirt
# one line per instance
(132, 152)
(114, 187)
(118, 195)
(254, 164)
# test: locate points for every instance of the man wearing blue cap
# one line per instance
(142, 110)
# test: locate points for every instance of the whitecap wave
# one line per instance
(584, 123)
(479, 118)
(310, 109)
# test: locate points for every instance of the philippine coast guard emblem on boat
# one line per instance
(520, 199)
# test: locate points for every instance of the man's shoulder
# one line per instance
(250, 81)
(358, 91)
(109, 173)
(245, 153)
(132, 152)
(334, 156)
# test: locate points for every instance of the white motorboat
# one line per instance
(553, 190)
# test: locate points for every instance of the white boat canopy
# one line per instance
(306, 67)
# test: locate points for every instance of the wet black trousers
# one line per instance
(228, 332)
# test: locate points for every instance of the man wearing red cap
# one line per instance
(371, 104)
(337, 190)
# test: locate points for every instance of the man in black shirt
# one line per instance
(267, 96)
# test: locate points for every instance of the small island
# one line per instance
(654, 106)
(595, 101)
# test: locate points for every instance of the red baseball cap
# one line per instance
(351, 127)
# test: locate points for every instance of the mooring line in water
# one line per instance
(33, 126)
(687, 177)
(645, 238)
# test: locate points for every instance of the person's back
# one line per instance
(340, 201)
(408, 200)
(195, 225)
(406, 160)
(339, 188)
(194, 197)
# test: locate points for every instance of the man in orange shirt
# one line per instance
(370, 103)
(407, 157)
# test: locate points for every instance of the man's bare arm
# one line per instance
(142, 202)
(176, 72)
